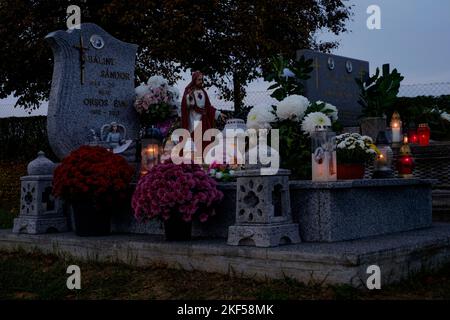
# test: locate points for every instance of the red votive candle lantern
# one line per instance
(412, 136)
(405, 163)
(423, 133)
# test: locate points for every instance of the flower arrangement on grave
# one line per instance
(157, 103)
(176, 194)
(95, 182)
(355, 148)
(222, 172)
(296, 118)
(353, 152)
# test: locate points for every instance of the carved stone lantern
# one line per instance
(263, 210)
(40, 212)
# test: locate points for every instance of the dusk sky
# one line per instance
(414, 39)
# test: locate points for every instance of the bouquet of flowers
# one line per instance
(180, 191)
(352, 148)
(295, 117)
(157, 102)
(221, 172)
(93, 174)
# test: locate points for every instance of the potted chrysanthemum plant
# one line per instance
(96, 183)
(176, 194)
(353, 152)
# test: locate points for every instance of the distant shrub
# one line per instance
(22, 138)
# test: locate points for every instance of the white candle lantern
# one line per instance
(234, 141)
(396, 127)
(323, 156)
(151, 149)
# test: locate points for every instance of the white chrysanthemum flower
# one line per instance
(157, 81)
(260, 117)
(292, 107)
(342, 145)
(141, 90)
(445, 116)
(219, 175)
(331, 111)
(313, 120)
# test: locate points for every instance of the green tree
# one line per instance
(231, 41)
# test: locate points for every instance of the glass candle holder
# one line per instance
(323, 154)
(423, 133)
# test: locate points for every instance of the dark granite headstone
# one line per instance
(93, 85)
(333, 81)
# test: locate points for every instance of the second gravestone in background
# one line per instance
(333, 81)
(92, 86)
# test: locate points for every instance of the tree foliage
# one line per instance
(231, 41)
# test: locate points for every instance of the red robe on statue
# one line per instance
(208, 112)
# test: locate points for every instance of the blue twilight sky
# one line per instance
(414, 38)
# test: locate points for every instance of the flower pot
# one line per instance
(353, 171)
(176, 229)
(89, 221)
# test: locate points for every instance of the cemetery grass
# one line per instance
(40, 276)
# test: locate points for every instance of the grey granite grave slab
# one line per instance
(360, 208)
(92, 85)
(398, 256)
(333, 81)
(346, 210)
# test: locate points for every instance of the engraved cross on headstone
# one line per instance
(316, 67)
(81, 49)
(362, 74)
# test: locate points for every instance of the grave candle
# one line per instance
(396, 127)
(412, 136)
(323, 155)
(383, 161)
(423, 133)
(405, 164)
(151, 149)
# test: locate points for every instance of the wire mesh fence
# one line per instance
(425, 89)
(254, 98)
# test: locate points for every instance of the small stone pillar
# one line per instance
(40, 212)
(263, 210)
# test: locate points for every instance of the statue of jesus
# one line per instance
(196, 107)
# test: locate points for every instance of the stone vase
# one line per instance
(372, 125)
(350, 171)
